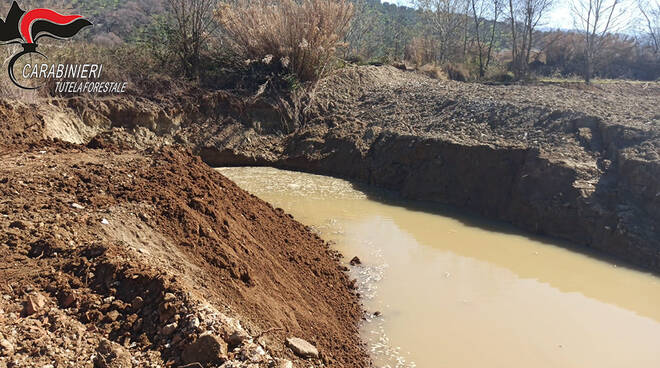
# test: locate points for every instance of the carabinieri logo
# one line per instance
(26, 28)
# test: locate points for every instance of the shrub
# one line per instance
(420, 51)
(457, 72)
(433, 71)
(302, 34)
(121, 63)
(499, 75)
(7, 88)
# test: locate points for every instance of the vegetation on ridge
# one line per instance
(161, 45)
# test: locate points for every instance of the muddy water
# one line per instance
(454, 291)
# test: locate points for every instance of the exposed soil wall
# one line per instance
(577, 164)
(536, 193)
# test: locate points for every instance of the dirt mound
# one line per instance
(19, 123)
(154, 251)
(22, 123)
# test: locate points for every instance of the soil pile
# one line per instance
(166, 259)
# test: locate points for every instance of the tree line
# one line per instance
(204, 40)
(496, 36)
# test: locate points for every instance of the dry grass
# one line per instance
(121, 63)
(433, 71)
(421, 51)
(7, 89)
(457, 72)
(302, 34)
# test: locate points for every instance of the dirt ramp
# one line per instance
(166, 259)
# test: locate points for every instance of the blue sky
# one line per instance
(559, 17)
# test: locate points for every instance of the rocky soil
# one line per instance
(115, 258)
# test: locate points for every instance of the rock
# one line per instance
(355, 261)
(93, 315)
(167, 330)
(169, 297)
(302, 348)
(167, 311)
(194, 323)
(93, 252)
(237, 338)
(112, 355)
(34, 303)
(77, 206)
(251, 352)
(18, 225)
(67, 300)
(137, 303)
(284, 363)
(207, 349)
(137, 325)
(112, 315)
(6, 348)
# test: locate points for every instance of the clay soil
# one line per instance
(97, 243)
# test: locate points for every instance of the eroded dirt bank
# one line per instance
(163, 256)
(578, 163)
(582, 165)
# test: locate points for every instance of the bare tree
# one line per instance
(481, 10)
(594, 19)
(651, 13)
(446, 18)
(466, 28)
(524, 18)
(364, 22)
(193, 25)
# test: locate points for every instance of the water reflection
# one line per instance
(461, 292)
